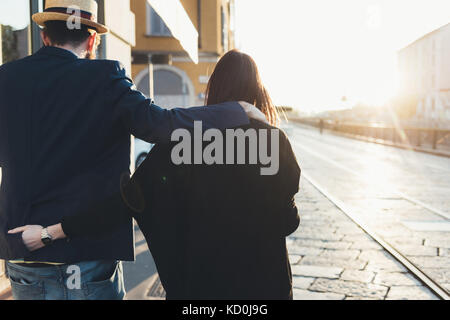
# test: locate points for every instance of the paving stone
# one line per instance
(317, 243)
(366, 245)
(410, 293)
(447, 286)
(341, 254)
(432, 262)
(314, 223)
(402, 240)
(417, 250)
(357, 275)
(316, 235)
(350, 230)
(316, 271)
(350, 288)
(362, 241)
(435, 236)
(348, 224)
(301, 282)
(438, 243)
(300, 294)
(374, 255)
(444, 252)
(303, 251)
(438, 274)
(360, 298)
(294, 258)
(326, 261)
(396, 279)
(438, 225)
(328, 239)
(385, 265)
(357, 238)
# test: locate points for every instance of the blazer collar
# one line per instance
(54, 51)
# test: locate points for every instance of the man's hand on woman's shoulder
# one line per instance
(253, 112)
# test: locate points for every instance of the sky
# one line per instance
(15, 13)
(312, 53)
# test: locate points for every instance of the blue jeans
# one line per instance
(93, 280)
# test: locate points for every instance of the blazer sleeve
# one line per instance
(289, 176)
(153, 124)
(12, 246)
(105, 216)
(101, 219)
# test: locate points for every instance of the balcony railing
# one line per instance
(410, 137)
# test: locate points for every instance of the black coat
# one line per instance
(215, 231)
(65, 126)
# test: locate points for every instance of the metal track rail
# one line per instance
(413, 268)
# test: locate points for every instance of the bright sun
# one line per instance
(312, 53)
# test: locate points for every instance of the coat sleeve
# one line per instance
(12, 243)
(153, 124)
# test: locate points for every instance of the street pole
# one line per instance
(35, 32)
(151, 79)
(1, 49)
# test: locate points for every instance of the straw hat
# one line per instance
(61, 10)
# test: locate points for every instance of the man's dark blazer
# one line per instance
(65, 126)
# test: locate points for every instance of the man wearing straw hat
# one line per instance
(65, 125)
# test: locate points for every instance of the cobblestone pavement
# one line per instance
(333, 259)
(398, 193)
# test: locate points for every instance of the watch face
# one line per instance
(47, 241)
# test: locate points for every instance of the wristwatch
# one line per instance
(46, 237)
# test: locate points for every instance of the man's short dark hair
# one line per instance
(60, 35)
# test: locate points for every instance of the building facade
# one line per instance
(424, 68)
(19, 37)
(179, 82)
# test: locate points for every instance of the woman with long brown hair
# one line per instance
(236, 76)
(216, 217)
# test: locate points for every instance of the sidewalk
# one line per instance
(332, 258)
(6, 295)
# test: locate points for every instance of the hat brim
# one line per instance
(41, 17)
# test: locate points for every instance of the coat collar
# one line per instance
(54, 51)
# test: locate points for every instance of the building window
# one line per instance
(155, 25)
(224, 30)
(18, 38)
(15, 23)
(166, 83)
(233, 21)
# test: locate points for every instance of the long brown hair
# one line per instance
(236, 78)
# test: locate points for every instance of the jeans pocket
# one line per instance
(24, 289)
(111, 288)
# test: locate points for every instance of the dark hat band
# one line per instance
(72, 11)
